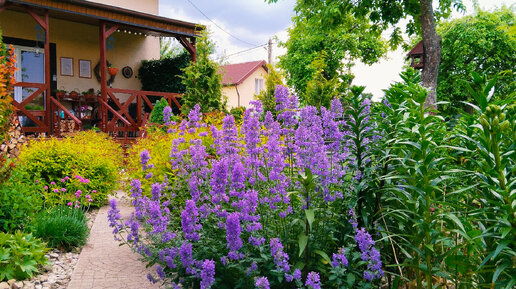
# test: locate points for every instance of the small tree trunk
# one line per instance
(432, 54)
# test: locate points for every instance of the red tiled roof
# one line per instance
(418, 49)
(233, 74)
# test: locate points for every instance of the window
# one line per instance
(258, 85)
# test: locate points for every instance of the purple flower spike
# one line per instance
(207, 274)
(262, 283)
(313, 281)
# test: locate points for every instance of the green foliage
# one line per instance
(341, 44)
(266, 96)
(415, 183)
(94, 156)
(202, 81)
(319, 90)
(20, 256)
(238, 113)
(164, 74)
(476, 43)
(21, 199)
(156, 115)
(62, 227)
(488, 144)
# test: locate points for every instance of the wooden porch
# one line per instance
(117, 111)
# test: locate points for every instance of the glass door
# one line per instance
(30, 63)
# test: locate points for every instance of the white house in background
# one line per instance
(241, 81)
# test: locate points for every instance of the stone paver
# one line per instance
(105, 265)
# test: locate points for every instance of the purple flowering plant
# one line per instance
(264, 211)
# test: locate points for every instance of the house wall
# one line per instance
(81, 41)
(245, 89)
(147, 6)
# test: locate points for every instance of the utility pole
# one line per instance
(270, 51)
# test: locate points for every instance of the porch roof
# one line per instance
(83, 11)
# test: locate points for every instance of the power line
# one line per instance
(219, 26)
(246, 50)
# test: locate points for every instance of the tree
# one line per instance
(319, 90)
(202, 80)
(266, 96)
(337, 45)
(476, 43)
(386, 13)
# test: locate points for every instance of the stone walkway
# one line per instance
(105, 265)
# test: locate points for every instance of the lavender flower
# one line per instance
(189, 219)
(145, 157)
(114, 217)
(370, 255)
(280, 257)
(339, 258)
(207, 274)
(313, 281)
(160, 272)
(233, 231)
(262, 283)
(167, 112)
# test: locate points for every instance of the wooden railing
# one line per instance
(37, 117)
(122, 114)
(64, 121)
(122, 124)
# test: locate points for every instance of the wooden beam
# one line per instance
(111, 31)
(37, 18)
(3, 5)
(189, 45)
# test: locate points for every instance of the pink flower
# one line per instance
(78, 194)
(37, 181)
(69, 204)
(56, 191)
(53, 184)
(85, 181)
(46, 188)
(62, 180)
(94, 191)
(67, 178)
(63, 190)
(88, 197)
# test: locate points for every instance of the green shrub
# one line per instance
(62, 227)
(20, 200)
(93, 156)
(20, 256)
(156, 115)
(164, 74)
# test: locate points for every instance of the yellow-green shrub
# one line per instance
(93, 156)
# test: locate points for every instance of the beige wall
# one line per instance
(81, 41)
(245, 89)
(147, 6)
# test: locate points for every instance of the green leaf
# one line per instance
(310, 216)
(323, 255)
(302, 240)
(351, 279)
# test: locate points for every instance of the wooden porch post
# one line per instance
(103, 35)
(48, 103)
(103, 67)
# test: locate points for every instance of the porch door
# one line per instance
(30, 62)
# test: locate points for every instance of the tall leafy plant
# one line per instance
(415, 186)
(489, 147)
(202, 81)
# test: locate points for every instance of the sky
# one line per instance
(241, 29)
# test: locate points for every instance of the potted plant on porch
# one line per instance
(60, 93)
(112, 70)
(89, 94)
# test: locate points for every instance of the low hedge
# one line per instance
(93, 156)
